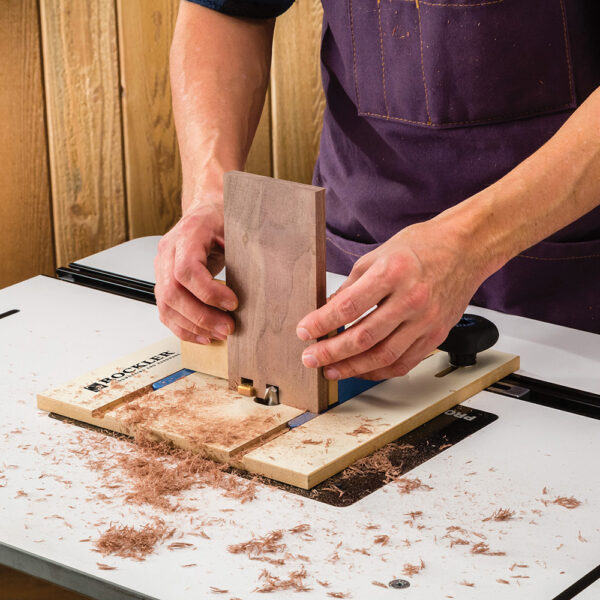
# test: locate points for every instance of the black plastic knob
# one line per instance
(472, 334)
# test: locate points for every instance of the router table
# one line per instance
(522, 455)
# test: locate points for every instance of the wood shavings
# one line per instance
(379, 584)
(157, 472)
(179, 545)
(407, 485)
(302, 528)
(216, 590)
(104, 567)
(333, 488)
(323, 583)
(483, 548)
(295, 581)
(466, 583)
(129, 542)
(414, 514)
(384, 540)
(504, 581)
(409, 570)
(517, 566)
(312, 442)
(338, 595)
(361, 429)
(501, 514)
(201, 533)
(581, 538)
(565, 502)
(190, 565)
(255, 548)
(378, 463)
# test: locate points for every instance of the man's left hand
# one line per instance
(419, 281)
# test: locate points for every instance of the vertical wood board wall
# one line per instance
(26, 244)
(90, 156)
(81, 71)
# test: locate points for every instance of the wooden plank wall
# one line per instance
(90, 155)
(26, 246)
(81, 74)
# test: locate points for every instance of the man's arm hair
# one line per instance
(219, 76)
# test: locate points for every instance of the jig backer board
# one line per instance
(275, 263)
(206, 358)
(199, 412)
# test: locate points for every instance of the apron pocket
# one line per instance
(453, 63)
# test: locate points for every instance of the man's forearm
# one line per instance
(552, 188)
(219, 76)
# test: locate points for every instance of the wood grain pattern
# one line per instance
(275, 263)
(367, 422)
(152, 166)
(26, 244)
(84, 125)
(296, 91)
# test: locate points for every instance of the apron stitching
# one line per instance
(537, 111)
(354, 55)
(342, 249)
(385, 102)
(422, 64)
(567, 51)
(459, 5)
(558, 258)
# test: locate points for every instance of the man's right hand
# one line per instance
(190, 302)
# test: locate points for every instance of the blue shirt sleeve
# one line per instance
(256, 9)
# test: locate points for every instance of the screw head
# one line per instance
(399, 584)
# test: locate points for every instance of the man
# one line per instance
(460, 152)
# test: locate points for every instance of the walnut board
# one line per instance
(275, 263)
(367, 422)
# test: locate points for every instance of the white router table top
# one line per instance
(64, 329)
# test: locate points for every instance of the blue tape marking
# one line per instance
(301, 419)
(347, 388)
(171, 378)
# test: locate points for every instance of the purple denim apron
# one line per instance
(429, 102)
